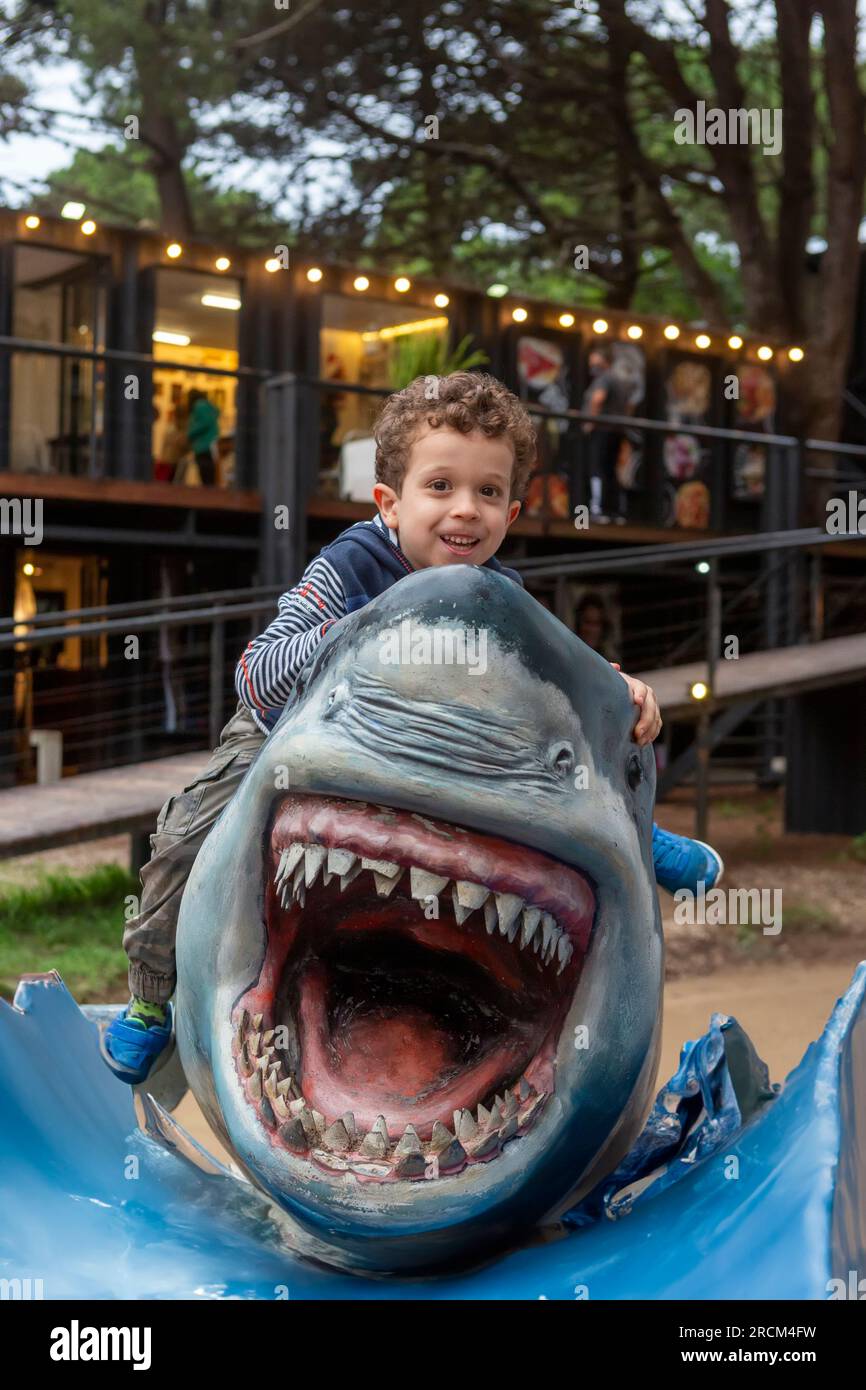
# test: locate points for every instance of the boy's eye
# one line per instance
(490, 490)
(440, 484)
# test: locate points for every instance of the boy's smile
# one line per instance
(455, 503)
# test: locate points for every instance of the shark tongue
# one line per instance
(397, 1062)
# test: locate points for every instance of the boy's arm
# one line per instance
(649, 723)
(269, 667)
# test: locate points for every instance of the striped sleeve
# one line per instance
(270, 665)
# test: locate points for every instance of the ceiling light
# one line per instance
(441, 300)
(88, 227)
(566, 320)
(32, 222)
(600, 326)
(796, 354)
(702, 341)
(361, 283)
(159, 335)
(222, 262)
(765, 353)
(735, 342)
(634, 330)
(402, 284)
(671, 332)
(220, 301)
(314, 275)
(173, 250)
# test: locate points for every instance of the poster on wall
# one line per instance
(686, 459)
(756, 408)
(629, 365)
(543, 379)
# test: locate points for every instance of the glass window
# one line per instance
(57, 402)
(194, 412)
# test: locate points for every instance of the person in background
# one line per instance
(607, 394)
(203, 433)
(592, 624)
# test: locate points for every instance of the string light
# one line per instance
(173, 250)
(32, 222)
(272, 264)
(702, 341)
(441, 301)
(634, 331)
(765, 353)
(671, 332)
(735, 342)
(566, 320)
(361, 283)
(88, 227)
(314, 275)
(796, 354)
(519, 315)
(699, 691)
(600, 326)
(401, 285)
(222, 262)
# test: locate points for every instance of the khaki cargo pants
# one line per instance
(181, 827)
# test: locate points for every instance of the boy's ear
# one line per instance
(386, 500)
(513, 511)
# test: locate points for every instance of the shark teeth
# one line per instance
(505, 914)
(338, 1145)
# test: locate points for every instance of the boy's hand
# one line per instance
(650, 721)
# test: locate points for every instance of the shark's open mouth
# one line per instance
(414, 987)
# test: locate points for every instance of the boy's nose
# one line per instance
(464, 506)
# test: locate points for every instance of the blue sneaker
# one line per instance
(683, 863)
(130, 1048)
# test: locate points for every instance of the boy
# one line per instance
(450, 475)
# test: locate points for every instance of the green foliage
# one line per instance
(70, 924)
(426, 354)
(118, 186)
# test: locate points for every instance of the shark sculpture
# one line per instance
(419, 990)
(419, 956)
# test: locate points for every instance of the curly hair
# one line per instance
(463, 401)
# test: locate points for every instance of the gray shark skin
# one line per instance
(524, 776)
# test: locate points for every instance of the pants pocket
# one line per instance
(179, 812)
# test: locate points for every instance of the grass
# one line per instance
(72, 924)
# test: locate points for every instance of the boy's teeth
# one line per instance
(504, 913)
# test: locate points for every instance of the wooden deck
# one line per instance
(121, 800)
(127, 799)
(785, 671)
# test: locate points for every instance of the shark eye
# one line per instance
(336, 697)
(634, 771)
(561, 757)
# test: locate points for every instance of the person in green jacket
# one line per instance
(203, 432)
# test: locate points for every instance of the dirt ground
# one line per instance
(781, 988)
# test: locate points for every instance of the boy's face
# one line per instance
(454, 505)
